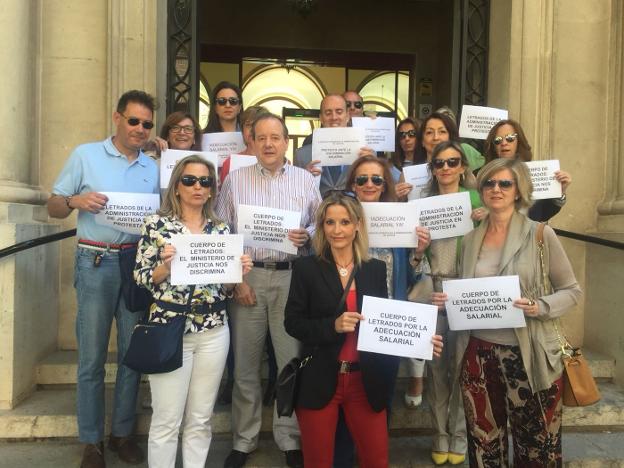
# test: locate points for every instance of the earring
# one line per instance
(177, 194)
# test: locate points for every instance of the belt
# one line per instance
(104, 246)
(273, 265)
(195, 309)
(347, 367)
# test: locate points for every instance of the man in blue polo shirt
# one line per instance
(116, 164)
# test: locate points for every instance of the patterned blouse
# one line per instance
(156, 232)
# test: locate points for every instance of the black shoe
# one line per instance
(236, 459)
(294, 458)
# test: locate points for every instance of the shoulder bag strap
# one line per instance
(343, 298)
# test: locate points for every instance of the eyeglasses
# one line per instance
(133, 122)
(450, 162)
(409, 133)
(375, 179)
(510, 137)
(503, 184)
(338, 194)
(204, 181)
(232, 100)
(356, 104)
(184, 129)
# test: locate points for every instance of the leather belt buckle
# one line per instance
(345, 367)
(270, 265)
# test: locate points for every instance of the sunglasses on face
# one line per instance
(185, 129)
(232, 100)
(450, 162)
(133, 122)
(356, 104)
(503, 184)
(204, 181)
(375, 179)
(510, 137)
(409, 133)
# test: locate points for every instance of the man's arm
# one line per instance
(60, 206)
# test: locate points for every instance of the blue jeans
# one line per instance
(98, 290)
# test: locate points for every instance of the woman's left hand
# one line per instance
(530, 307)
(402, 189)
(478, 214)
(247, 263)
(438, 344)
(564, 178)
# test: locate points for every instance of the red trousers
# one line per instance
(368, 428)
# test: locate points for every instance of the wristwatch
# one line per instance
(67, 200)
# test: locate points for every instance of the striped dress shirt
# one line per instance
(290, 188)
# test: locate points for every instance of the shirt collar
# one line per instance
(112, 150)
(265, 172)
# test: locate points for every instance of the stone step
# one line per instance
(51, 413)
(580, 450)
(60, 368)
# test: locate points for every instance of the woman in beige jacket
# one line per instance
(514, 375)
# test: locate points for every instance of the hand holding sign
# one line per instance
(93, 202)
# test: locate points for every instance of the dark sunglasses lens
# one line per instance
(361, 180)
(505, 184)
(510, 138)
(148, 124)
(453, 162)
(188, 180)
(498, 140)
(377, 180)
(358, 104)
(489, 184)
(133, 121)
(206, 181)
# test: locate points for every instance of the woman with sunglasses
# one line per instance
(187, 393)
(513, 375)
(508, 140)
(449, 168)
(337, 375)
(226, 104)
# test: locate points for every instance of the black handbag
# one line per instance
(136, 298)
(287, 384)
(156, 348)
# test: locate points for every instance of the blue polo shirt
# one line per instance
(100, 167)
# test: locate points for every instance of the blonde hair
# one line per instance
(521, 175)
(356, 213)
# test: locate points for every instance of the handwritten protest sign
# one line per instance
(207, 259)
(446, 215)
(127, 211)
(223, 144)
(484, 303)
(397, 328)
(543, 177)
(169, 158)
(378, 132)
(268, 228)
(337, 146)
(241, 160)
(391, 224)
(419, 176)
(477, 121)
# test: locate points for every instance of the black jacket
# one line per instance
(315, 291)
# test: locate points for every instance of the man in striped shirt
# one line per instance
(260, 300)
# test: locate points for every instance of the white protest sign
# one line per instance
(223, 143)
(483, 303)
(543, 177)
(391, 224)
(266, 227)
(419, 176)
(476, 121)
(337, 146)
(127, 211)
(241, 160)
(446, 215)
(207, 259)
(398, 328)
(169, 158)
(378, 132)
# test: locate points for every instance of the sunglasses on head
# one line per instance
(133, 122)
(503, 184)
(375, 179)
(204, 181)
(510, 137)
(450, 162)
(409, 133)
(356, 104)
(232, 100)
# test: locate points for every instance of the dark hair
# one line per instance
(389, 193)
(214, 125)
(177, 117)
(449, 124)
(268, 116)
(434, 188)
(398, 157)
(134, 95)
(523, 152)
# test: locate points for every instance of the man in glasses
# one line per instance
(355, 104)
(116, 164)
(260, 300)
(334, 113)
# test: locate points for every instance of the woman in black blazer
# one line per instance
(337, 374)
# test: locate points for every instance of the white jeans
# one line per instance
(189, 391)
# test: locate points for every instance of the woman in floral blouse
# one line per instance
(191, 390)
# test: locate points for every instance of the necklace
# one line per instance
(344, 270)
